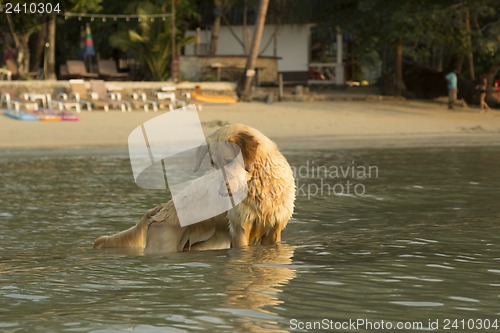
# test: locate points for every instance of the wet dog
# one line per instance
(258, 219)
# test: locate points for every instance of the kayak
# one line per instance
(49, 117)
(68, 116)
(20, 115)
(213, 98)
(56, 115)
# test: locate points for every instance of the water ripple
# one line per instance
(402, 252)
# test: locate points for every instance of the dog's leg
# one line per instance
(134, 237)
(239, 236)
(130, 238)
(273, 237)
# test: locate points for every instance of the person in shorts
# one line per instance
(452, 80)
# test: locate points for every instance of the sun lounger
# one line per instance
(76, 69)
(139, 101)
(80, 94)
(107, 70)
(62, 102)
(63, 72)
(136, 100)
(167, 98)
(5, 74)
(76, 99)
(164, 103)
(100, 95)
(13, 102)
(12, 67)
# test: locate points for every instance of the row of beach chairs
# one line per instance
(106, 69)
(98, 97)
(72, 69)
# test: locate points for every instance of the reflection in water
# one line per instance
(423, 243)
(255, 277)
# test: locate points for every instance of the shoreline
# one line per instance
(320, 142)
(292, 125)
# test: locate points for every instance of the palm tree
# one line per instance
(246, 85)
(151, 46)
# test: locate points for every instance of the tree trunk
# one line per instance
(245, 87)
(174, 66)
(439, 66)
(214, 38)
(51, 59)
(23, 52)
(398, 68)
(470, 55)
(246, 33)
(39, 48)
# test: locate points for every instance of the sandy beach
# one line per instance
(290, 124)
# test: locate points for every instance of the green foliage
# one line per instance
(151, 44)
(86, 6)
(422, 25)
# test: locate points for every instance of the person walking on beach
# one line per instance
(482, 86)
(452, 79)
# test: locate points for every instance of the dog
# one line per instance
(258, 219)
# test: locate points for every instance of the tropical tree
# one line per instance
(21, 27)
(151, 44)
(246, 82)
(79, 6)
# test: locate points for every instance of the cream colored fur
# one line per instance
(258, 219)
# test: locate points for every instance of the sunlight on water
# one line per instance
(417, 240)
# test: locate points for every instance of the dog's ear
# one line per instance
(248, 146)
(199, 155)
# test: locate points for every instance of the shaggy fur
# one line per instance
(258, 219)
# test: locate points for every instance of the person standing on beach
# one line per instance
(496, 90)
(452, 79)
(482, 86)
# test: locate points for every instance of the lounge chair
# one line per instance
(166, 102)
(63, 72)
(167, 98)
(14, 72)
(107, 70)
(15, 102)
(12, 67)
(76, 69)
(75, 99)
(80, 94)
(139, 101)
(136, 100)
(101, 96)
(5, 74)
(62, 102)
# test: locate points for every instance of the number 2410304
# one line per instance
(470, 324)
(32, 8)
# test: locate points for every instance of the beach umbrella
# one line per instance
(89, 47)
(89, 43)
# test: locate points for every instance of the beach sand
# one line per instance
(291, 124)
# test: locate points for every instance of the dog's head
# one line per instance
(224, 147)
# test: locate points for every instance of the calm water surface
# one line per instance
(422, 242)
